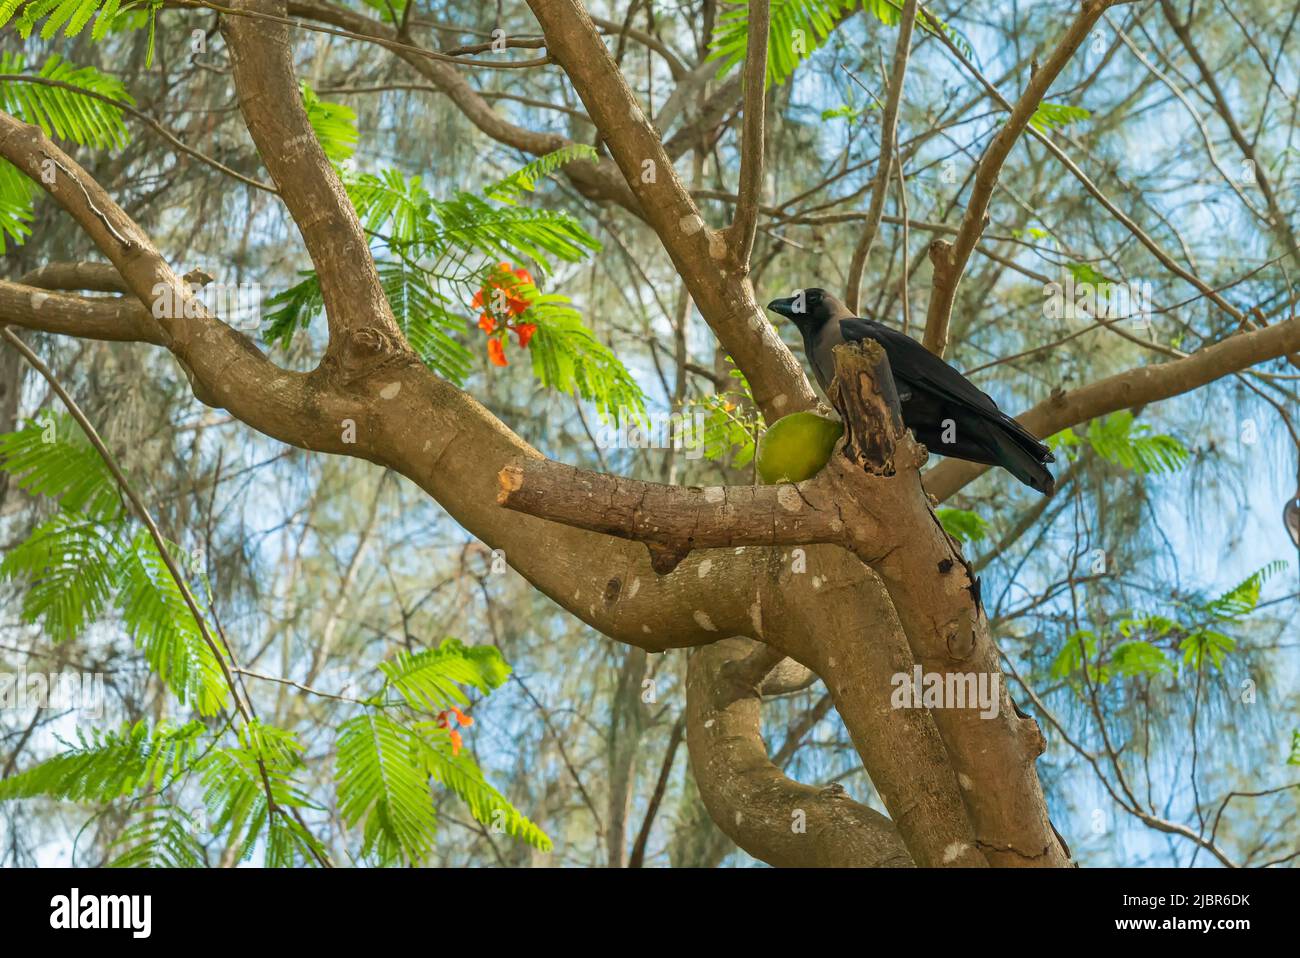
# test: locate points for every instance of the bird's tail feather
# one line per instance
(1025, 464)
(1027, 440)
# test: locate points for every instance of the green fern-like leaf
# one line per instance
(58, 111)
(382, 782)
(236, 781)
(427, 320)
(51, 456)
(63, 112)
(108, 765)
(402, 213)
(424, 315)
(335, 125)
(17, 193)
(1057, 116)
(160, 837)
(526, 178)
(461, 774)
(1242, 598)
(729, 428)
(295, 308)
(567, 357)
(799, 27)
(66, 567)
(389, 204)
(1117, 439)
(475, 224)
(431, 679)
(160, 621)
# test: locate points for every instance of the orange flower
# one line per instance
(505, 281)
(525, 332)
(498, 307)
(443, 722)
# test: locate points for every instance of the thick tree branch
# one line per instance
(772, 817)
(868, 499)
(363, 333)
(715, 278)
(1134, 387)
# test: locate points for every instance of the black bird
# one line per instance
(937, 402)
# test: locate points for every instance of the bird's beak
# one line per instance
(783, 307)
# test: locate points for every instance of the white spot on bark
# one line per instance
(38, 299)
(954, 852)
(390, 391)
(717, 246)
(702, 618)
(756, 617)
(964, 781)
(690, 224)
(739, 550)
(788, 498)
(705, 567)
(634, 588)
(645, 629)
(714, 494)
(817, 582)
(709, 724)
(780, 401)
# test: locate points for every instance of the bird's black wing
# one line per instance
(914, 364)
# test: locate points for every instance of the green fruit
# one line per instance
(797, 446)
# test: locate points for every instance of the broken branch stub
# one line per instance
(864, 394)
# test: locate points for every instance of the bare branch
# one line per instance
(888, 136)
(745, 224)
(950, 263)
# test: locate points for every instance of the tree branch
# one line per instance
(950, 261)
(362, 332)
(888, 135)
(769, 815)
(749, 193)
(1134, 387)
(713, 275)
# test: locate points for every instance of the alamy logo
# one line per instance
(103, 911)
(83, 691)
(238, 305)
(947, 690)
(657, 430)
(1102, 300)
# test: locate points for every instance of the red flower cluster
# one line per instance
(461, 719)
(499, 300)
